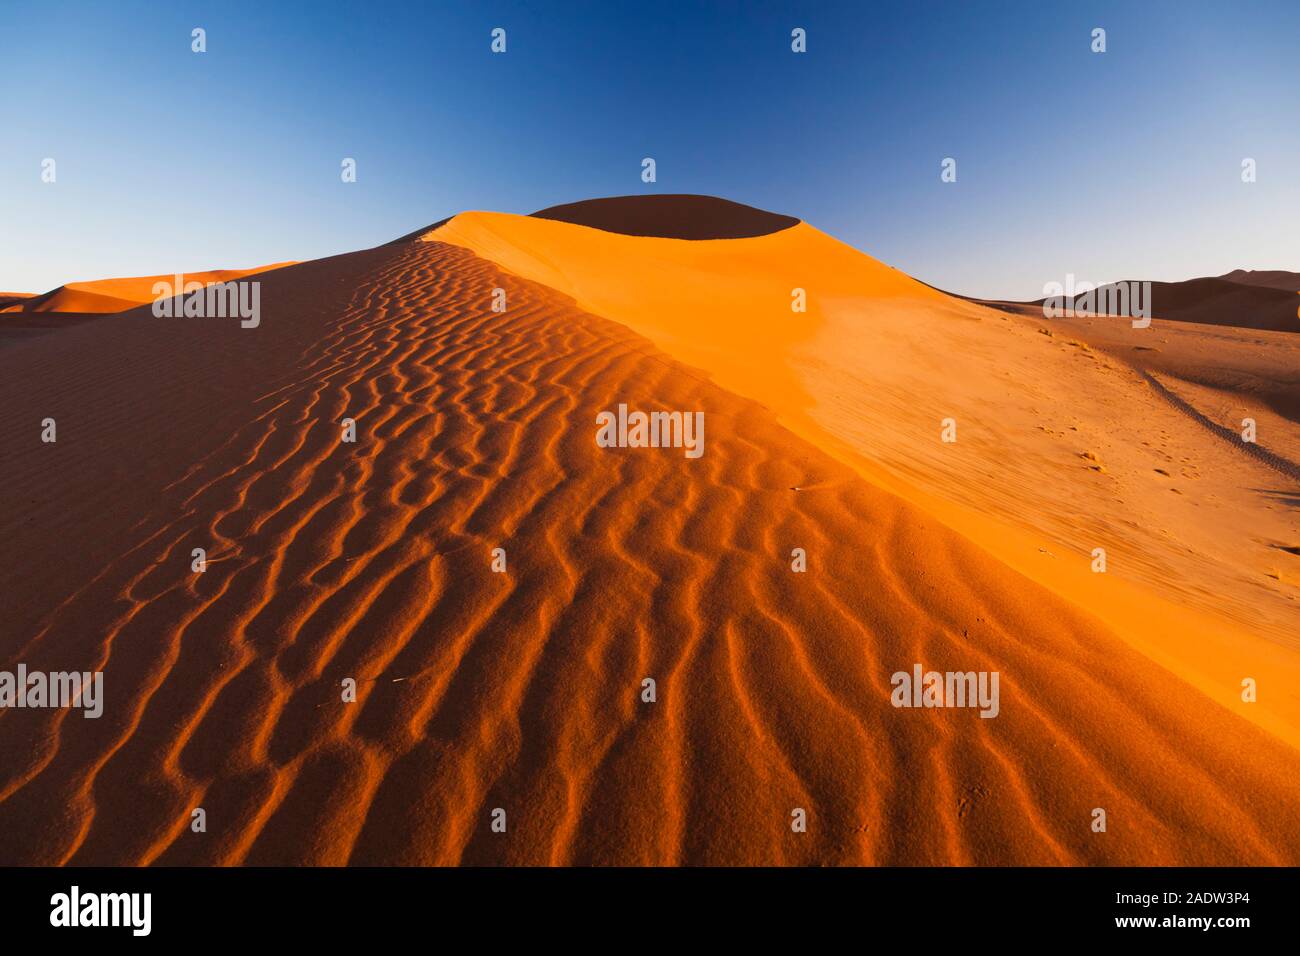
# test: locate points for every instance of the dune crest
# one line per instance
(1268, 278)
(714, 305)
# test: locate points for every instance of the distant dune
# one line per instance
(13, 298)
(524, 691)
(1265, 302)
(116, 295)
(1276, 279)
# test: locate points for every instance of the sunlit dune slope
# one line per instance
(522, 690)
(722, 305)
(1060, 449)
(118, 295)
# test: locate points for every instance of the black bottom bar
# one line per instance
(331, 906)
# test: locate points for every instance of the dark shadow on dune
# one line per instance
(1289, 498)
(20, 326)
(671, 216)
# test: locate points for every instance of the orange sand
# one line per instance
(521, 690)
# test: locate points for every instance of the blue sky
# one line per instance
(1118, 165)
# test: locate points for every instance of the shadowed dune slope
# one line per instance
(670, 216)
(13, 298)
(1060, 449)
(1270, 279)
(522, 691)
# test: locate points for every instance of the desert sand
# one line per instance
(523, 690)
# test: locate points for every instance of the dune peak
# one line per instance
(662, 216)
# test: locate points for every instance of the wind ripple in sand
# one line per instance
(522, 690)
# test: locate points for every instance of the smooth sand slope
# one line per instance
(522, 690)
(1060, 450)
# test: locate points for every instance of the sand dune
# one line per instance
(13, 298)
(521, 690)
(1250, 301)
(1059, 452)
(117, 295)
(1269, 279)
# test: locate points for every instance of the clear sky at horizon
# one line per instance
(1125, 164)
